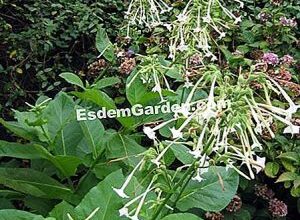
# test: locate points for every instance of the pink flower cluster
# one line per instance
(273, 59)
(288, 22)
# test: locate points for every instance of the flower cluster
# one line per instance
(277, 208)
(146, 13)
(288, 22)
(264, 192)
(152, 71)
(271, 58)
(193, 27)
(235, 204)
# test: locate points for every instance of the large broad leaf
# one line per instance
(22, 129)
(103, 100)
(181, 152)
(33, 182)
(103, 197)
(61, 211)
(13, 214)
(104, 46)
(66, 164)
(93, 132)
(213, 193)
(63, 129)
(123, 147)
(182, 216)
(106, 82)
(72, 78)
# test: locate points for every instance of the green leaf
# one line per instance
(182, 216)
(66, 164)
(10, 194)
(249, 37)
(72, 78)
(63, 130)
(213, 193)
(136, 91)
(103, 197)
(123, 146)
(287, 176)
(61, 210)
(93, 132)
(291, 156)
(33, 183)
(106, 82)
(104, 46)
(21, 130)
(98, 97)
(103, 100)
(181, 152)
(271, 169)
(242, 214)
(13, 214)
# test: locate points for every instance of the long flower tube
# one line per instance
(121, 191)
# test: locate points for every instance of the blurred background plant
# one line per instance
(40, 39)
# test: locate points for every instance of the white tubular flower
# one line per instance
(292, 129)
(156, 161)
(124, 212)
(176, 133)
(259, 164)
(222, 35)
(141, 203)
(293, 107)
(150, 133)
(211, 105)
(203, 169)
(182, 47)
(237, 20)
(199, 149)
(120, 191)
(168, 26)
(240, 2)
(198, 177)
(182, 18)
(207, 19)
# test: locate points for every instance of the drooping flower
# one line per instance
(292, 129)
(259, 164)
(182, 18)
(141, 203)
(121, 191)
(150, 133)
(156, 161)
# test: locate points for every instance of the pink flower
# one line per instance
(271, 58)
(288, 22)
(287, 59)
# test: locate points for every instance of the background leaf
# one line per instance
(213, 193)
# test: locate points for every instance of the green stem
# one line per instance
(187, 173)
(183, 188)
(89, 171)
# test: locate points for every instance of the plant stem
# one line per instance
(187, 173)
(183, 188)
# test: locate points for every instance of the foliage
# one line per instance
(40, 39)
